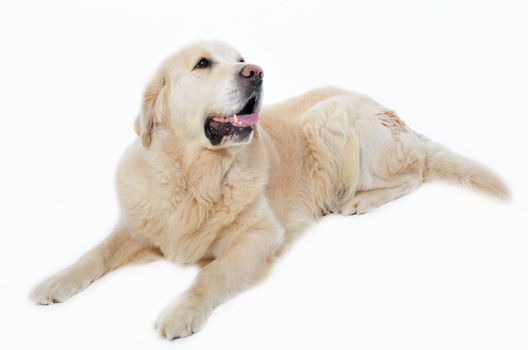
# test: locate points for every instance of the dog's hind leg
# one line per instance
(391, 168)
(118, 249)
(366, 201)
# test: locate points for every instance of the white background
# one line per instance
(443, 268)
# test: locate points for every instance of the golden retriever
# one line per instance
(213, 181)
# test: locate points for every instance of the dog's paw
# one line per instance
(356, 206)
(182, 320)
(57, 289)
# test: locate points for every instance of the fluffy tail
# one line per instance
(440, 163)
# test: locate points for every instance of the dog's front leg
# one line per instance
(117, 249)
(238, 267)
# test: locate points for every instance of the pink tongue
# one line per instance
(244, 120)
(241, 120)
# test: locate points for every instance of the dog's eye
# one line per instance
(241, 60)
(202, 63)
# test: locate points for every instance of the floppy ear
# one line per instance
(152, 110)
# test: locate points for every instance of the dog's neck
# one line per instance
(192, 161)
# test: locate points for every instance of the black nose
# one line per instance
(252, 71)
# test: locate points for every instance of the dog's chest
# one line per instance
(172, 218)
(157, 222)
(182, 212)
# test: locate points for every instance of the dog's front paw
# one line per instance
(57, 289)
(183, 319)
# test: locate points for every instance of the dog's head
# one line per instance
(204, 93)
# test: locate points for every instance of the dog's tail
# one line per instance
(441, 163)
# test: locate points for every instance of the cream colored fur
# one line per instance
(232, 208)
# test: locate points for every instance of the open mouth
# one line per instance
(236, 127)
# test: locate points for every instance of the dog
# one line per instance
(213, 180)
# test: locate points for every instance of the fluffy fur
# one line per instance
(232, 208)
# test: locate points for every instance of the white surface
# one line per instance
(443, 268)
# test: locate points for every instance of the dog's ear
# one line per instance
(152, 110)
